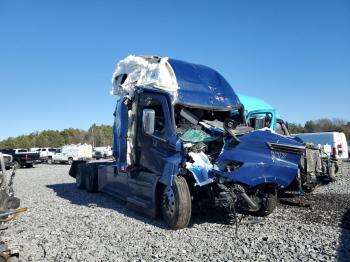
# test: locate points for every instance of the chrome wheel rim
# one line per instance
(169, 201)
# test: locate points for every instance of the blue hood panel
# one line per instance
(260, 164)
(201, 86)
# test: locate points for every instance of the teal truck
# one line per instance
(260, 114)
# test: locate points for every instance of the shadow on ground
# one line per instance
(70, 192)
(343, 252)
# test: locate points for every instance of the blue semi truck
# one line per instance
(176, 142)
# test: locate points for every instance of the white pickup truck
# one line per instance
(45, 153)
(102, 152)
(68, 153)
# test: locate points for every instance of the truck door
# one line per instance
(120, 129)
(153, 149)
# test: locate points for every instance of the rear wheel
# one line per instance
(91, 179)
(49, 160)
(176, 204)
(70, 161)
(79, 178)
(16, 164)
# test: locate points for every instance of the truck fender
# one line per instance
(171, 169)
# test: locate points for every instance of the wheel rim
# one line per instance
(169, 201)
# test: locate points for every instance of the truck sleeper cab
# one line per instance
(171, 152)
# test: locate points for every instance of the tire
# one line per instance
(176, 204)
(91, 182)
(29, 165)
(16, 164)
(80, 176)
(50, 161)
(70, 161)
(268, 203)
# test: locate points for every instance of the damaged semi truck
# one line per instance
(177, 142)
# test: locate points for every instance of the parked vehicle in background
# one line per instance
(68, 153)
(8, 160)
(260, 114)
(45, 153)
(344, 147)
(22, 157)
(97, 155)
(102, 152)
(336, 140)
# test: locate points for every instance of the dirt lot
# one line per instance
(67, 224)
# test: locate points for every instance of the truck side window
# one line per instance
(279, 129)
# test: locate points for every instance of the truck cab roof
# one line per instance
(202, 86)
(189, 84)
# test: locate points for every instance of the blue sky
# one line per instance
(57, 57)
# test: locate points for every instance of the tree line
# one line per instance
(321, 125)
(102, 135)
(96, 135)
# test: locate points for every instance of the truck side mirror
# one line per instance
(148, 121)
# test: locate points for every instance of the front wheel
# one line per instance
(176, 204)
(49, 160)
(70, 161)
(268, 203)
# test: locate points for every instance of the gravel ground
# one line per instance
(66, 224)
